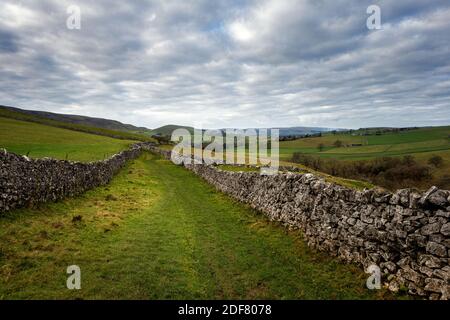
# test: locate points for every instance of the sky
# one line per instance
(235, 63)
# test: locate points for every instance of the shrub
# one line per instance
(436, 161)
(385, 171)
(338, 143)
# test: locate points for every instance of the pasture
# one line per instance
(412, 142)
(39, 141)
(421, 143)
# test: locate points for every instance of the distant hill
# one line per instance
(82, 120)
(168, 129)
(288, 131)
(115, 125)
(300, 131)
(297, 131)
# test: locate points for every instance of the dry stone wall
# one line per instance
(26, 182)
(405, 233)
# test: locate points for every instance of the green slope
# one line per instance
(168, 235)
(25, 115)
(39, 141)
(168, 129)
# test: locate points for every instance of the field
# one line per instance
(423, 140)
(422, 144)
(39, 141)
(117, 134)
(160, 232)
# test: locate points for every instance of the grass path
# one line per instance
(159, 232)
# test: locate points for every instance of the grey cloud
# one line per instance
(230, 63)
(8, 42)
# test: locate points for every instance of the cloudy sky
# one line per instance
(231, 63)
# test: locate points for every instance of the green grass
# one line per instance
(389, 144)
(125, 135)
(167, 235)
(39, 141)
(421, 143)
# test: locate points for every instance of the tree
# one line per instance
(436, 161)
(338, 143)
(321, 146)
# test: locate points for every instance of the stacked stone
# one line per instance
(26, 182)
(405, 233)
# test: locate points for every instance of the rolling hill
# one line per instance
(38, 141)
(168, 129)
(80, 120)
(37, 117)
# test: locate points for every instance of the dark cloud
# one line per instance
(230, 63)
(8, 42)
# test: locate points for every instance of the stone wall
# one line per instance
(405, 233)
(26, 182)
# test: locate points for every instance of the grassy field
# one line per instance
(159, 232)
(39, 140)
(422, 144)
(423, 140)
(126, 135)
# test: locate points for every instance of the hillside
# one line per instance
(80, 120)
(38, 141)
(37, 117)
(168, 129)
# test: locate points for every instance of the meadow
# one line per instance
(37, 141)
(422, 140)
(342, 153)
